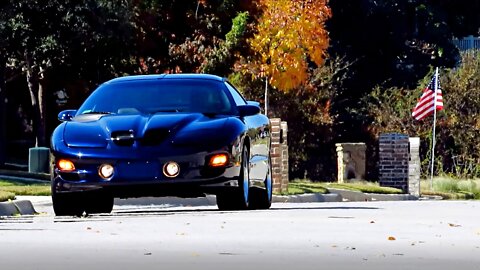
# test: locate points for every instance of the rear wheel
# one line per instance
(237, 199)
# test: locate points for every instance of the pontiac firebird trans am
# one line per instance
(183, 135)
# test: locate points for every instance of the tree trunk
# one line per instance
(3, 111)
(33, 82)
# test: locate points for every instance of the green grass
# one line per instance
(5, 196)
(304, 186)
(13, 188)
(365, 187)
(450, 188)
(301, 187)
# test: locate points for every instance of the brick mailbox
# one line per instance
(396, 167)
(279, 155)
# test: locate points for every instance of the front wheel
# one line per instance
(67, 204)
(98, 203)
(238, 199)
(261, 198)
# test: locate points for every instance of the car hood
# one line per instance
(100, 131)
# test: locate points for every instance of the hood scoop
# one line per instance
(123, 138)
(155, 136)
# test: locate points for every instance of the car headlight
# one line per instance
(106, 171)
(171, 169)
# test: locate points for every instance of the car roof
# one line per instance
(167, 76)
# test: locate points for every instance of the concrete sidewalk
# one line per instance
(27, 205)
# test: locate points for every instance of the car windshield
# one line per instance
(158, 96)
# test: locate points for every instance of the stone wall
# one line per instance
(279, 155)
(350, 161)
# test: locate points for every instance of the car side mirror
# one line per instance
(248, 110)
(256, 103)
(67, 115)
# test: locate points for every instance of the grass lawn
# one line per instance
(305, 186)
(10, 189)
(5, 196)
(450, 188)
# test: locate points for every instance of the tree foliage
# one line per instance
(290, 36)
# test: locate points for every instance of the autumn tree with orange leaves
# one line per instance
(290, 36)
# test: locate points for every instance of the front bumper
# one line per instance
(139, 178)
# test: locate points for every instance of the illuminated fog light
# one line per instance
(106, 171)
(218, 160)
(65, 165)
(171, 169)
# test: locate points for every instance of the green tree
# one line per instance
(44, 36)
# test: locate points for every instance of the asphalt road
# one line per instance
(351, 235)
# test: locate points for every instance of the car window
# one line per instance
(239, 100)
(158, 96)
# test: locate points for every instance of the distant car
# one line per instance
(183, 135)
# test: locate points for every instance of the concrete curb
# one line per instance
(349, 195)
(25, 204)
(20, 207)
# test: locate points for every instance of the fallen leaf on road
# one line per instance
(148, 254)
(334, 246)
(391, 238)
(372, 221)
(454, 225)
(88, 228)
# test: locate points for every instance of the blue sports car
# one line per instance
(183, 135)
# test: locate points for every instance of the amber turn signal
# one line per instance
(65, 165)
(218, 160)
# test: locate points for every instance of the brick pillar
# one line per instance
(414, 167)
(278, 153)
(393, 160)
(284, 146)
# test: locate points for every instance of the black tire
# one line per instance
(99, 203)
(238, 199)
(262, 198)
(67, 204)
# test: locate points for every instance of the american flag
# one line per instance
(426, 104)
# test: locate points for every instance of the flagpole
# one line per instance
(266, 96)
(434, 124)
